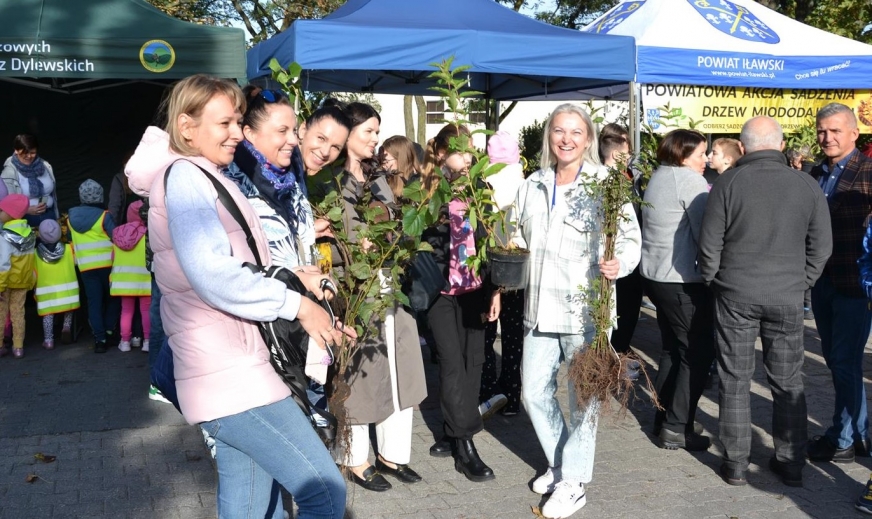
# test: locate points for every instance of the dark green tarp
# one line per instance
(111, 39)
(89, 121)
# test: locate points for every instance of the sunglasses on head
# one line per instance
(272, 96)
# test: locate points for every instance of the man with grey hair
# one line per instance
(759, 257)
(841, 310)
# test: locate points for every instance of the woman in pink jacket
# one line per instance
(210, 302)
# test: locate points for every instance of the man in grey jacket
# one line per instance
(759, 257)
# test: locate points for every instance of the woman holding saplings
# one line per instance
(559, 222)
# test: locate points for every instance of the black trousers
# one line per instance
(512, 329)
(456, 322)
(686, 322)
(628, 292)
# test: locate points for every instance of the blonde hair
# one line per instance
(403, 150)
(591, 154)
(190, 96)
(436, 146)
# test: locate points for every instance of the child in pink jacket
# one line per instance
(130, 279)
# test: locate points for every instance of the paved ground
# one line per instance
(121, 455)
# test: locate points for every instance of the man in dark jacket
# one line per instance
(842, 311)
(759, 258)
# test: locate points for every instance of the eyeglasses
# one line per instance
(272, 96)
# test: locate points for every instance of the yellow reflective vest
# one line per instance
(57, 288)
(22, 271)
(129, 276)
(93, 248)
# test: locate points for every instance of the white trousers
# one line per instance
(394, 433)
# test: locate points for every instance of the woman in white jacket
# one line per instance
(559, 223)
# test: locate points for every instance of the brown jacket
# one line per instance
(850, 208)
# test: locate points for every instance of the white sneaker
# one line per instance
(545, 483)
(145, 346)
(155, 394)
(124, 346)
(135, 342)
(568, 498)
(493, 404)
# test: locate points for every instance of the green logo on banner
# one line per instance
(157, 56)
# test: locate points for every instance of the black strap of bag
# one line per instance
(291, 373)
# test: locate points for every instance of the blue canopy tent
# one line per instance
(387, 46)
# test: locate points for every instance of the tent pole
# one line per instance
(635, 117)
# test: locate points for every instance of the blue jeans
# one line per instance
(103, 309)
(843, 324)
(571, 448)
(273, 442)
(156, 335)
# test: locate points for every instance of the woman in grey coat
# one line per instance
(671, 219)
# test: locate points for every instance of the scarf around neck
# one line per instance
(277, 186)
(32, 172)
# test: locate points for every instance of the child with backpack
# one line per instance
(130, 279)
(20, 274)
(57, 288)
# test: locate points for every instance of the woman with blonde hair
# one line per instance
(224, 379)
(559, 223)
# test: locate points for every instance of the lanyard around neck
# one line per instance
(554, 192)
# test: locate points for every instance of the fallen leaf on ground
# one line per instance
(31, 478)
(45, 458)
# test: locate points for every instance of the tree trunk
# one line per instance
(422, 120)
(507, 111)
(407, 118)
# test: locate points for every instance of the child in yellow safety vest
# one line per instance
(130, 279)
(57, 287)
(91, 225)
(20, 276)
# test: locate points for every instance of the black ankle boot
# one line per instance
(467, 462)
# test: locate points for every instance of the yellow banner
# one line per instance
(721, 109)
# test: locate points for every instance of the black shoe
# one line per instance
(113, 339)
(820, 448)
(403, 472)
(442, 448)
(863, 448)
(372, 480)
(687, 441)
(66, 337)
(734, 477)
(467, 462)
(100, 347)
(659, 416)
(791, 475)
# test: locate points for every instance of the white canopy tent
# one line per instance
(733, 43)
(737, 43)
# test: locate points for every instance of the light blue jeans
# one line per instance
(273, 442)
(573, 448)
